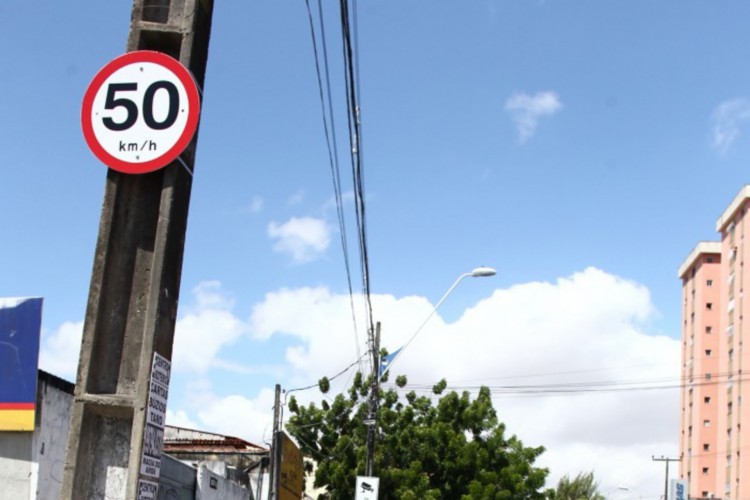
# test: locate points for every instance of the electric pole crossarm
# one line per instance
(666, 471)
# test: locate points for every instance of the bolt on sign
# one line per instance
(140, 112)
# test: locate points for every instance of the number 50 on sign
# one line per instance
(140, 112)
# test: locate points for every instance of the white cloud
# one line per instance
(180, 418)
(586, 328)
(304, 238)
(527, 109)
(727, 118)
(297, 198)
(205, 329)
(239, 416)
(256, 204)
(60, 350)
(346, 197)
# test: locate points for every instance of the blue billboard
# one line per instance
(20, 328)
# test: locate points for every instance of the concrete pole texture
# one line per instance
(135, 284)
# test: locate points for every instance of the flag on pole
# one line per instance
(20, 327)
(385, 361)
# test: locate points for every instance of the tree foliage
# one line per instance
(583, 487)
(454, 448)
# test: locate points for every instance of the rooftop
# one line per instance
(731, 210)
(702, 248)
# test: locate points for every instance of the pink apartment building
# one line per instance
(715, 454)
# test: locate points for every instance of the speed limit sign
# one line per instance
(140, 112)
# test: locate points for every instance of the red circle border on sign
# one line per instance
(139, 56)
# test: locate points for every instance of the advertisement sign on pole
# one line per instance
(153, 440)
(678, 490)
(290, 474)
(20, 327)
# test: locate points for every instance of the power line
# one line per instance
(584, 387)
(357, 162)
(332, 146)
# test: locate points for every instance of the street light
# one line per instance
(625, 488)
(371, 422)
(479, 272)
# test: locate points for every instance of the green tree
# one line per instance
(453, 449)
(583, 487)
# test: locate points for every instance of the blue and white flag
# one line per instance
(385, 361)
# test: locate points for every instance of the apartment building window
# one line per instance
(707, 399)
(709, 306)
(706, 446)
(705, 472)
(708, 352)
(706, 423)
(729, 408)
(709, 259)
(709, 282)
(707, 376)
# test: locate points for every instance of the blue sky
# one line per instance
(581, 148)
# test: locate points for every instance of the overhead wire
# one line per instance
(589, 387)
(333, 156)
(354, 119)
(351, 83)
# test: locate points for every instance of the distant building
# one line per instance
(195, 465)
(31, 462)
(233, 458)
(715, 453)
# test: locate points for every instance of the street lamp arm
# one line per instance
(476, 273)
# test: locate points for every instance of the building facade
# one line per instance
(31, 462)
(715, 455)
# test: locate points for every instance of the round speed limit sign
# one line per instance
(140, 112)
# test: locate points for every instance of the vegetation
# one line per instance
(583, 487)
(454, 448)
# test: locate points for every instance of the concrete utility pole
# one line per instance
(666, 472)
(135, 284)
(372, 419)
(275, 472)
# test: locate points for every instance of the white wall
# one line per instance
(15, 465)
(50, 440)
(31, 463)
(222, 489)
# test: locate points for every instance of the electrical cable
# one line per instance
(332, 146)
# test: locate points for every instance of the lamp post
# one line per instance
(625, 488)
(479, 272)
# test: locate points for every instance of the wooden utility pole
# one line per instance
(135, 285)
